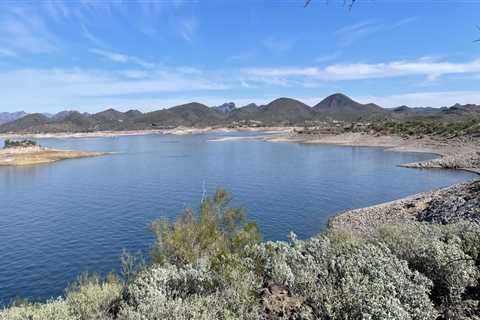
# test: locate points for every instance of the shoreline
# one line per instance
(180, 131)
(29, 156)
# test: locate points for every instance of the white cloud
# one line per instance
(24, 31)
(360, 71)
(84, 89)
(352, 33)
(122, 58)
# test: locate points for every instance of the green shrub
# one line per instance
(347, 279)
(218, 230)
(170, 292)
(91, 298)
(444, 254)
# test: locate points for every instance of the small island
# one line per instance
(28, 152)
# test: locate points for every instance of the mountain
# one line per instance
(244, 113)
(225, 108)
(461, 112)
(11, 116)
(282, 111)
(279, 111)
(31, 123)
(408, 113)
(190, 114)
(285, 110)
(340, 107)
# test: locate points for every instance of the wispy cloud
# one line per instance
(24, 31)
(122, 58)
(328, 57)
(7, 53)
(358, 71)
(277, 45)
(93, 39)
(188, 28)
(87, 88)
(352, 33)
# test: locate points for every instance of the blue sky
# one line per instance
(92, 55)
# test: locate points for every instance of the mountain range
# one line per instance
(282, 111)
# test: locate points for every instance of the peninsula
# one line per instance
(27, 152)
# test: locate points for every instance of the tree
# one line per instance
(216, 232)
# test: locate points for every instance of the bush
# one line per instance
(90, 298)
(347, 279)
(217, 231)
(447, 255)
(22, 143)
(170, 292)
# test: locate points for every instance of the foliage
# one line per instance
(22, 143)
(218, 231)
(170, 292)
(428, 127)
(447, 255)
(214, 267)
(342, 278)
(87, 299)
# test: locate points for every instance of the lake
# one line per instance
(60, 220)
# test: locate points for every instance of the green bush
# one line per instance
(342, 278)
(217, 231)
(447, 255)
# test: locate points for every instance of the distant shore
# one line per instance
(40, 155)
(454, 153)
(176, 131)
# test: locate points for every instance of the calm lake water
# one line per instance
(60, 220)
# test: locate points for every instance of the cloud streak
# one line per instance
(121, 58)
(361, 71)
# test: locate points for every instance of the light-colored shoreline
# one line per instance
(177, 131)
(28, 156)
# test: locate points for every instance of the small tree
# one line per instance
(216, 232)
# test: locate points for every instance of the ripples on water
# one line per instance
(59, 220)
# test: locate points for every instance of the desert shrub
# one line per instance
(444, 254)
(171, 292)
(54, 309)
(91, 298)
(347, 279)
(218, 230)
(21, 143)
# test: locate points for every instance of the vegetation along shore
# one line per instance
(27, 152)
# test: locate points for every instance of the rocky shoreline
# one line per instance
(460, 202)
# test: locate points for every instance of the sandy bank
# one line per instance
(40, 155)
(175, 131)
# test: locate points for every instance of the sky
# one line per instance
(151, 54)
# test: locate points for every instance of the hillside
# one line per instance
(340, 107)
(281, 112)
(11, 116)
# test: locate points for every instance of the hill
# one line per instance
(11, 116)
(340, 107)
(281, 111)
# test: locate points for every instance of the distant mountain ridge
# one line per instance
(281, 111)
(11, 116)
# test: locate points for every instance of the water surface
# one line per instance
(62, 219)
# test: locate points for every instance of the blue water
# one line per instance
(60, 220)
